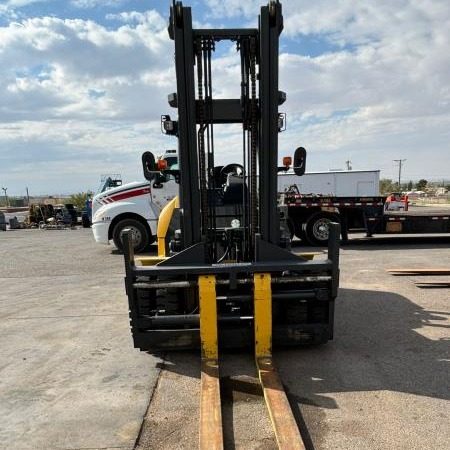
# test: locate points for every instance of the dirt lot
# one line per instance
(70, 379)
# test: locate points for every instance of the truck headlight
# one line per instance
(98, 216)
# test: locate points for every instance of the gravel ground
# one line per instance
(70, 379)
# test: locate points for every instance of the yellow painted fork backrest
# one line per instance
(163, 225)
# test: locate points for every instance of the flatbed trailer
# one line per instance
(309, 217)
(409, 222)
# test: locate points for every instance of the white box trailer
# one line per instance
(348, 183)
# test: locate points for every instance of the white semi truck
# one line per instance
(134, 205)
(137, 205)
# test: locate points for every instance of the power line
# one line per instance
(399, 163)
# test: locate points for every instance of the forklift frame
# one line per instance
(311, 284)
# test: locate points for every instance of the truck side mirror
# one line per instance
(159, 179)
(149, 166)
(299, 161)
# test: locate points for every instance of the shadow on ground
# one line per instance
(377, 346)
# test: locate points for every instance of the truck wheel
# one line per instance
(85, 222)
(298, 230)
(291, 227)
(317, 228)
(300, 233)
(139, 234)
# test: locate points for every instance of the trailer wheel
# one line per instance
(298, 228)
(317, 228)
(300, 233)
(139, 234)
(291, 227)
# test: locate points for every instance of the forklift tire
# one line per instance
(167, 302)
(316, 229)
(297, 312)
(139, 233)
(145, 299)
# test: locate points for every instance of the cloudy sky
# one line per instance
(83, 84)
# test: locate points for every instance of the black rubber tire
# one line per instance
(167, 301)
(316, 228)
(298, 231)
(85, 222)
(297, 312)
(146, 300)
(141, 235)
(291, 227)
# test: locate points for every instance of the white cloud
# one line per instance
(386, 89)
(20, 3)
(127, 65)
(67, 156)
(93, 3)
(76, 91)
(9, 8)
(73, 88)
(234, 8)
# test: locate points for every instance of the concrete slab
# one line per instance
(69, 375)
(69, 378)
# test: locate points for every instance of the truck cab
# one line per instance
(134, 205)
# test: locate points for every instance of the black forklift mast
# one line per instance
(197, 116)
(228, 224)
(271, 25)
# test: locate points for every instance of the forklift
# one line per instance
(225, 275)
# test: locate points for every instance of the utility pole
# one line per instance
(348, 162)
(6, 197)
(399, 163)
